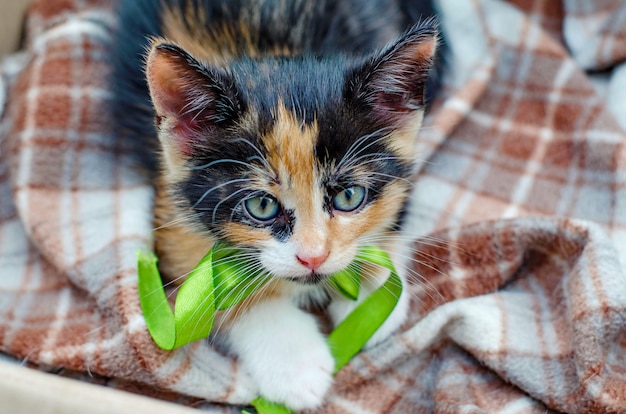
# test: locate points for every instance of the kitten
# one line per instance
(286, 129)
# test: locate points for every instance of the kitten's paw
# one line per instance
(302, 379)
(281, 348)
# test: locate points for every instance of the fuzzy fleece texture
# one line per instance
(520, 223)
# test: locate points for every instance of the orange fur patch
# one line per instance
(221, 43)
(244, 235)
(402, 141)
(290, 147)
(195, 39)
(178, 247)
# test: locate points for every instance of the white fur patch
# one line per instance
(282, 349)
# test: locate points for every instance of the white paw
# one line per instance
(301, 379)
(282, 349)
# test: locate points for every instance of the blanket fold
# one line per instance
(519, 222)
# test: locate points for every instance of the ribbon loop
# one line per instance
(222, 279)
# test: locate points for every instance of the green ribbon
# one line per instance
(222, 279)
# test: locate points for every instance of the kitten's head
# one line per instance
(299, 160)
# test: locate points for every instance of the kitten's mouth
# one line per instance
(310, 279)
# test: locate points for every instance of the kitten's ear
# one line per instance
(391, 84)
(191, 101)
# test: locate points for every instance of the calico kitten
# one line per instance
(287, 129)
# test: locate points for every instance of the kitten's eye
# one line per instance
(262, 208)
(349, 199)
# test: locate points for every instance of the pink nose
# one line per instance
(312, 262)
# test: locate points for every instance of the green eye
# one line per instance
(349, 199)
(262, 208)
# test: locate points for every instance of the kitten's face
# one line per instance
(297, 161)
(303, 206)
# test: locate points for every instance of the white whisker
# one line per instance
(261, 156)
(355, 149)
(226, 199)
(238, 180)
(188, 218)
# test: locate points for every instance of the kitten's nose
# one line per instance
(312, 262)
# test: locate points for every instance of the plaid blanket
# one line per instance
(519, 290)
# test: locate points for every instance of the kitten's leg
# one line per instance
(341, 307)
(281, 347)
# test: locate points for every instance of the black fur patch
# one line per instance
(315, 28)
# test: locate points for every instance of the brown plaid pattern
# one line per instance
(519, 293)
